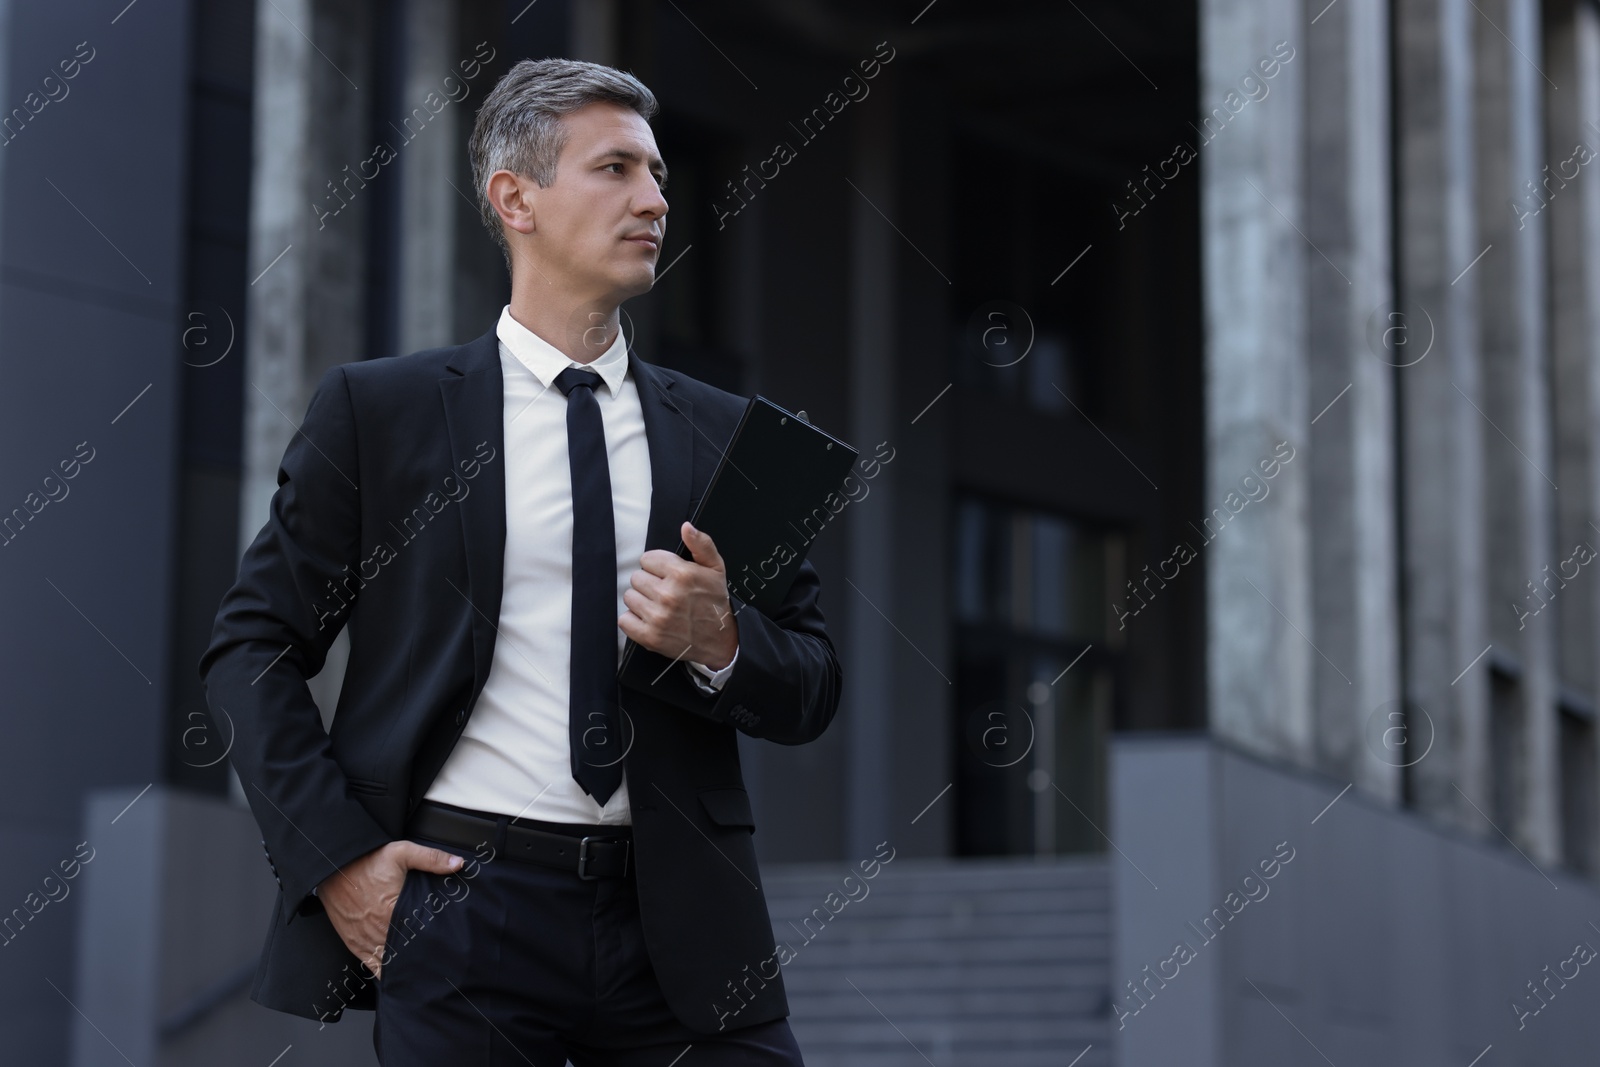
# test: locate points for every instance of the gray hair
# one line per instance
(519, 128)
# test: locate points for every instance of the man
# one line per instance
(507, 855)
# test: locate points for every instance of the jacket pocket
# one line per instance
(398, 921)
(728, 807)
(368, 786)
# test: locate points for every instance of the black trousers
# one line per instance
(523, 964)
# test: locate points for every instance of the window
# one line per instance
(1506, 765)
(1035, 678)
(1578, 792)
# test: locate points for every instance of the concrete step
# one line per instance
(998, 963)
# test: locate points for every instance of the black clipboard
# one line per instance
(766, 502)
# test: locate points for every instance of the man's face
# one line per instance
(605, 197)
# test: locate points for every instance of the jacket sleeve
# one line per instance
(785, 682)
(272, 632)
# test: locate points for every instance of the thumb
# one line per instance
(436, 860)
(702, 547)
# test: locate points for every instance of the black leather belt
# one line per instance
(591, 856)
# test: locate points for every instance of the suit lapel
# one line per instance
(474, 406)
(669, 429)
(474, 402)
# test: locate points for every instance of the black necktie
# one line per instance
(592, 712)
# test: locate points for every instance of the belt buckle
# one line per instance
(583, 856)
(583, 860)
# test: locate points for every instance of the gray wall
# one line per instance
(91, 281)
(1383, 940)
(173, 907)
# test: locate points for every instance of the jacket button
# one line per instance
(461, 717)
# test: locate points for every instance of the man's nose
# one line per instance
(655, 202)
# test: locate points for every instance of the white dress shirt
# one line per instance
(514, 755)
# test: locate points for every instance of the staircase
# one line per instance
(954, 963)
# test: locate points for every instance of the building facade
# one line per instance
(1237, 366)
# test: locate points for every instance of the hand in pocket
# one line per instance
(360, 898)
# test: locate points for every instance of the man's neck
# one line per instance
(581, 327)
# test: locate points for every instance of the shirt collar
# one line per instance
(546, 361)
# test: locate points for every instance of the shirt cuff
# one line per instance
(714, 678)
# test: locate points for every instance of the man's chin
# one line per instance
(639, 283)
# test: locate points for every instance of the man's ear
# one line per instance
(511, 197)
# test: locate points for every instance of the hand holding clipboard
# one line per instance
(764, 505)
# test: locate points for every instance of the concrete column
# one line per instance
(1572, 60)
(593, 30)
(1255, 268)
(1353, 454)
(1515, 419)
(307, 238)
(428, 160)
(870, 689)
(280, 192)
(1442, 580)
(307, 216)
(929, 721)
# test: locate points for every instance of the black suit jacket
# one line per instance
(369, 468)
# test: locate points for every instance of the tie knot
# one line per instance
(574, 377)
